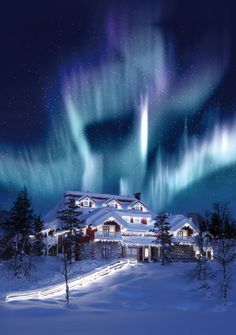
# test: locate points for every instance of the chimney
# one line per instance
(138, 196)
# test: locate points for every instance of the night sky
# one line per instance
(119, 97)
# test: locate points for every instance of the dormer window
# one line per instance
(138, 206)
(85, 202)
(113, 203)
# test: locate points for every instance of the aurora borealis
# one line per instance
(143, 100)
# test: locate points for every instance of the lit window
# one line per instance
(180, 233)
(138, 207)
(106, 231)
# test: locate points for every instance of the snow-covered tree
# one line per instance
(66, 267)
(21, 222)
(71, 223)
(6, 243)
(20, 228)
(38, 239)
(202, 269)
(162, 228)
(224, 246)
(65, 270)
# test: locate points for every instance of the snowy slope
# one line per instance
(145, 299)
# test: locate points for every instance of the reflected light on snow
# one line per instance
(74, 284)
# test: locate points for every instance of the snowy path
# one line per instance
(74, 284)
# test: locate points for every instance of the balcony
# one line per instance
(108, 236)
(185, 239)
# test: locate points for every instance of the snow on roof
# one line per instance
(101, 196)
(100, 199)
(131, 227)
(136, 213)
(178, 221)
(84, 197)
(52, 215)
(139, 240)
(54, 224)
(103, 214)
(137, 202)
(100, 213)
(110, 199)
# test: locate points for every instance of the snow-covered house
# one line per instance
(115, 225)
(119, 226)
(184, 231)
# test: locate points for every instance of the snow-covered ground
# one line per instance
(140, 299)
(46, 272)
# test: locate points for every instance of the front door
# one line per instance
(140, 255)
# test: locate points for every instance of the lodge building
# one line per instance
(119, 226)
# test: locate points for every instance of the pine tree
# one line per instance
(162, 227)
(38, 243)
(6, 246)
(21, 222)
(20, 228)
(69, 217)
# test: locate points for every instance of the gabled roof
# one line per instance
(86, 196)
(109, 200)
(102, 214)
(101, 196)
(138, 202)
(179, 221)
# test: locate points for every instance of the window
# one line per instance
(138, 207)
(113, 203)
(136, 220)
(146, 252)
(106, 231)
(106, 252)
(132, 252)
(180, 233)
(86, 203)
